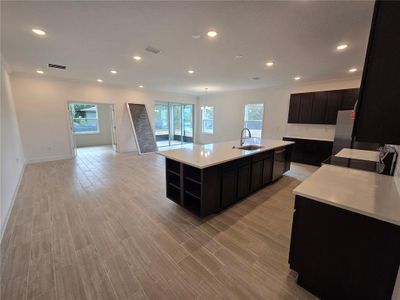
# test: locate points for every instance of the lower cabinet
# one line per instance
(229, 184)
(261, 170)
(339, 254)
(235, 181)
(311, 152)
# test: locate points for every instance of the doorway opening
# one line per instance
(173, 123)
(92, 127)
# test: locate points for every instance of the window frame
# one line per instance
(97, 119)
(262, 120)
(202, 109)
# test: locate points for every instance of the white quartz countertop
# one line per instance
(359, 154)
(203, 156)
(367, 193)
(309, 138)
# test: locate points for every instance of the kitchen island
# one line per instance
(208, 178)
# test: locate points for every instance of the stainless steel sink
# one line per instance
(250, 147)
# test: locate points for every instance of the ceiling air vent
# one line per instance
(153, 50)
(57, 66)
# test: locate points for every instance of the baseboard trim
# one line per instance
(49, 158)
(3, 229)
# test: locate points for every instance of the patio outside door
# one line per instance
(173, 123)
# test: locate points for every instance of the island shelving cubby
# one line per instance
(186, 187)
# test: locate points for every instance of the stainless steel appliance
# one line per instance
(279, 163)
(343, 134)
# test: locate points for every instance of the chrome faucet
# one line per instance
(241, 135)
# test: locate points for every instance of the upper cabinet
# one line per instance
(294, 108)
(378, 112)
(320, 107)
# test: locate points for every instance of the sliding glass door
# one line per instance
(173, 123)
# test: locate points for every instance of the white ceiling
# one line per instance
(91, 38)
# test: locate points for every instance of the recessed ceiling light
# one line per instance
(38, 31)
(212, 34)
(137, 58)
(297, 78)
(113, 72)
(196, 36)
(141, 86)
(269, 64)
(191, 71)
(352, 70)
(39, 72)
(239, 56)
(342, 46)
(99, 80)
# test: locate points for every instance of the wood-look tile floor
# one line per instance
(100, 227)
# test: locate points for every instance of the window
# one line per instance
(207, 119)
(253, 118)
(85, 118)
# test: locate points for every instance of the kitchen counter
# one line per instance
(367, 193)
(308, 138)
(359, 154)
(345, 240)
(204, 156)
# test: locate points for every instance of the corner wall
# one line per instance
(12, 157)
(41, 104)
(229, 111)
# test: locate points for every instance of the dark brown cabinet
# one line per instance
(229, 185)
(294, 108)
(306, 105)
(268, 164)
(349, 99)
(320, 107)
(261, 170)
(377, 117)
(340, 254)
(235, 181)
(243, 184)
(311, 152)
(332, 106)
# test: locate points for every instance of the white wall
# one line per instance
(104, 135)
(229, 111)
(41, 104)
(12, 157)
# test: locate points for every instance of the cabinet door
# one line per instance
(229, 186)
(319, 108)
(243, 182)
(267, 170)
(256, 175)
(378, 114)
(350, 97)
(294, 108)
(334, 99)
(306, 108)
